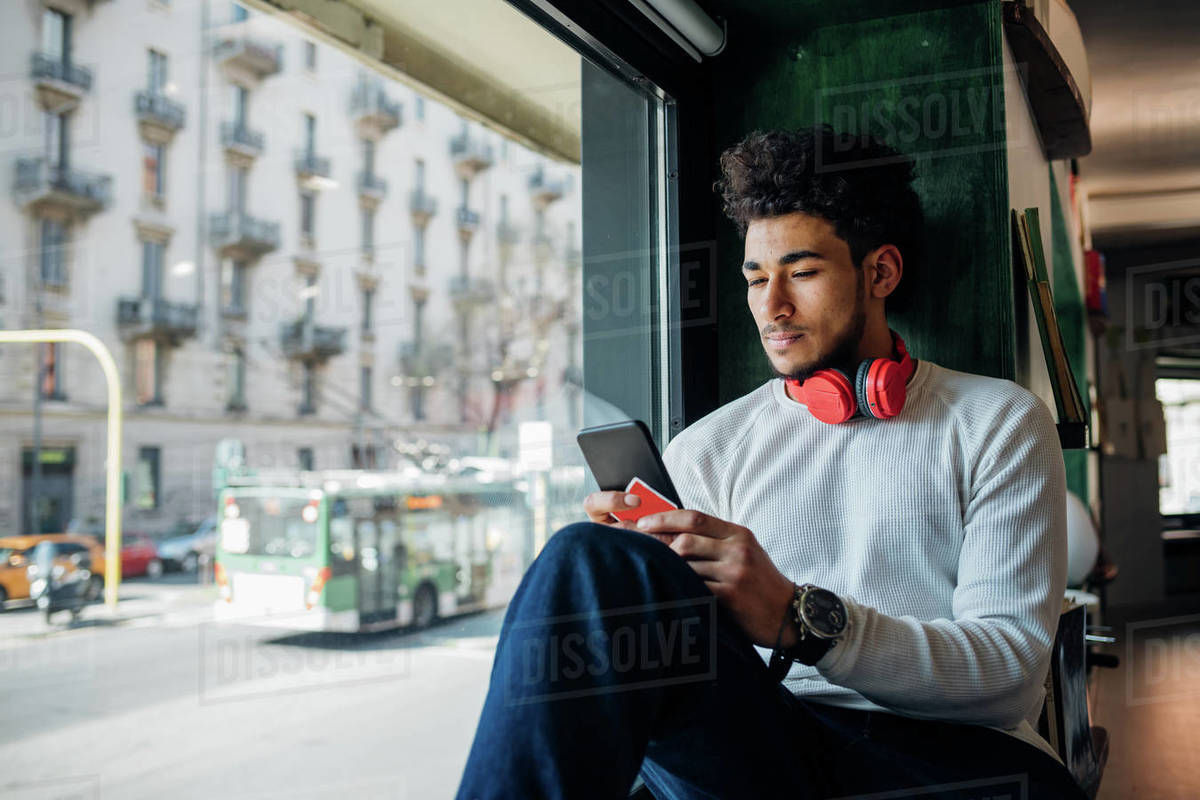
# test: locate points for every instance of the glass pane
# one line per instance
(433, 351)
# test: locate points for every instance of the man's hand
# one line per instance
(733, 565)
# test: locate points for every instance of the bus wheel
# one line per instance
(424, 606)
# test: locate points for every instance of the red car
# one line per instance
(139, 556)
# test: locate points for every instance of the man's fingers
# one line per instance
(693, 546)
(599, 505)
(681, 521)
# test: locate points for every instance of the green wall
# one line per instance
(927, 81)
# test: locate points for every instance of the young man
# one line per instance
(888, 533)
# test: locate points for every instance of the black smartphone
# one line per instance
(621, 451)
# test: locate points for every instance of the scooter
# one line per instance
(59, 579)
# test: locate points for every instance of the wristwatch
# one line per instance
(820, 619)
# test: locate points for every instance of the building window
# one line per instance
(310, 56)
(419, 250)
(52, 254)
(368, 308)
(419, 106)
(310, 135)
(419, 175)
(156, 79)
(237, 380)
(368, 231)
(504, 208)
(56, 35)
(417, 401)
(152, 268)
(308, 389)
(239, 13)
(56, 129)
(364, 388)
(369, 157)
(308, 216)
(233, 287)
(464, 192)
(153, 170)
(310, 298)
(236, 188)
(148, 478)
(305, 458)
(241, 105)
(147, 357)
(52, 379)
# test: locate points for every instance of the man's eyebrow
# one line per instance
(790, 258)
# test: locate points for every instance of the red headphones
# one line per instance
(878, 389)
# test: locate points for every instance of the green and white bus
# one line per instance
(362, 551)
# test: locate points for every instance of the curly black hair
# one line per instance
(862, 186)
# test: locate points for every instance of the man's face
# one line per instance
(805, 292)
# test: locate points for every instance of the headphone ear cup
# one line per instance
(861, 388)
(829, 395)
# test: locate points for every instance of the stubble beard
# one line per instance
(842, 355)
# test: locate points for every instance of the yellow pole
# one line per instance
(112, 489)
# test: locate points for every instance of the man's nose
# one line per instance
(778, 304)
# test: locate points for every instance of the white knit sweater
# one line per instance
(942, 529)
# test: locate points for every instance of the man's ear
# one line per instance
(885, 267)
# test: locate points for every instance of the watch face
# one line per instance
(823, 613)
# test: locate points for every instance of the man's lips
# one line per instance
(782, 341)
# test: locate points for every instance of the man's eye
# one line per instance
(757, 281)
(804, 274)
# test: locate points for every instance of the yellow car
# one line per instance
(14, 558)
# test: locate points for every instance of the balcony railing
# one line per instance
(371, 186)
(545, 189)
(157, 109)
(238, 138)
(75, 191)
(423, 205)
(424, 359)
(139, 316)
(259, 58)
(471, 154)
(306, 340)
(466, 219)
(233, 230)
(372, 111)
(53, 68)
(312, 167)
(470, 290)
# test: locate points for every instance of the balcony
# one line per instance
(471, 155)
(40, 185)
(249, 57)
(241, 141)
(139, 317)
(371, 189)
(237, 234)
(313, 171)
(159, 117)
(467, 290)
(423, 360)
(57, 84)
(507, 233)
(544, 189)
(422, 205)
(309, 342)
(467, 221)
(373, 113)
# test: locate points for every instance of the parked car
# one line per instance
(139, 556)
(185, 552)
(16, 550)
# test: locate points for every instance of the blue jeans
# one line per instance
(615, 658)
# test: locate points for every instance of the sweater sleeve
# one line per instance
(986, 665)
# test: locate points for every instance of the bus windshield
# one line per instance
(270, 526)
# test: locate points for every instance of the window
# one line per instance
(156, 79)
(147, 372)
(419, 108)
(464, 192)
(364, 388)
(237, 379)
(52, 378)
(304, 457)
(310, 56)
(310, 135)
(56, 35)
(52, 254)
(504, 208)
(419, 175)
(419, 250)
(56, 128)
(241, 105)
(148, 478)
(368, 303)
(308, 389)
(369, 157)
(308, 215)
(153, 170)
(233, 287)
(236, 189)
(368, 231)
(310, 297)
(152, 268)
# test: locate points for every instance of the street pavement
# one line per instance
(159, 701)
